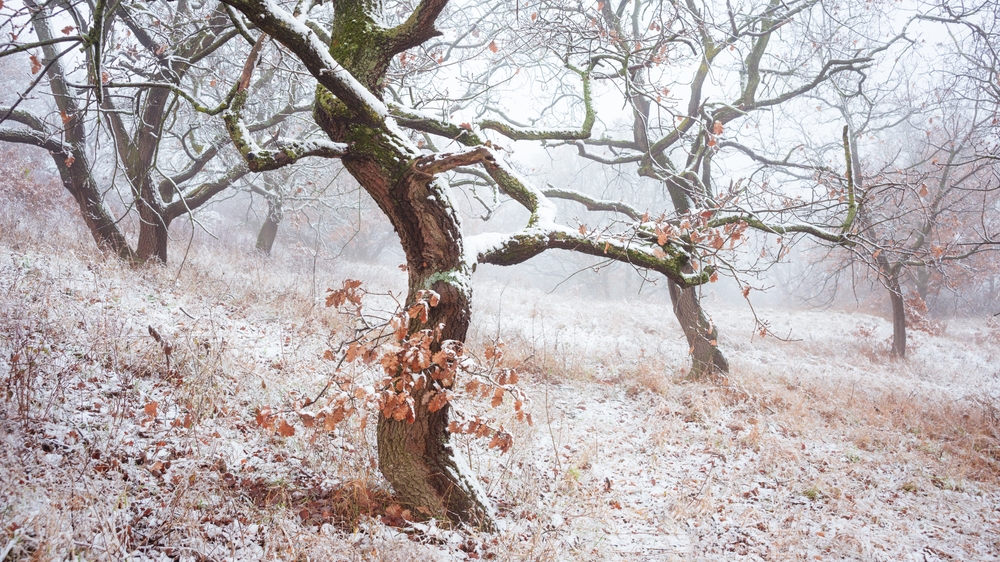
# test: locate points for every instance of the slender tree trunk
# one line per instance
(269, 230)
(898, 317)
(154, 233)
(77, 179)
(891, 275)
(701, 333)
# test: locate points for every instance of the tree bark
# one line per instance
(702, 335)
(78, 180)
(154, 233)
(416, 458)
(898, 317)
(269, 230)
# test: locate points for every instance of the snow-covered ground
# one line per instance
(816, 448)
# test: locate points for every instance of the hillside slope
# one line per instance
(819, 448)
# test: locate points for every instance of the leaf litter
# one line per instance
(817, 449)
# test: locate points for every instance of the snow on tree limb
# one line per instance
(309, 48)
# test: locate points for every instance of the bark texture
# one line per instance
(702, 335)
(416, 458)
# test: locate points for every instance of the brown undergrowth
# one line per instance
(120, 444)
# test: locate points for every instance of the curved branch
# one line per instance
(309, 48)
(594, 204)
(35, 138)
(36, 44)
(518, 133)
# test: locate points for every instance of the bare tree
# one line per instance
(734, 64)
(925, 159)
(137, 64)
(415, 453)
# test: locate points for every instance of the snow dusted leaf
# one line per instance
(494, 352)
(264, 418)
(746, 291)
(497, 397)
(493, 47)
(151, 408)
(440, 359)
(285, 429)
(390, 363)
(352, 352)
(717, 128)
(438, 401)
(36, 65)
(308, 418)
(69, 161)
(329, 356)
(923, 190)
(662, 236)
(583, 229)
(534, 16)
(713, 278)
(419, 311)
(501, 440)
(472, 386)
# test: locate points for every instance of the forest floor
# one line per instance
(818, 448)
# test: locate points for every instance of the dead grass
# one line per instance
(818, 448)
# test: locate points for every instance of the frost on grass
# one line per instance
(815, 449)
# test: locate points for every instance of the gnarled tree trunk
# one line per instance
(416, 458)
(702, 335)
